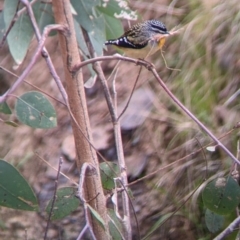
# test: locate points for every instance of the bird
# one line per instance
(142, 39)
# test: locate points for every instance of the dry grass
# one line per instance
(207, 53)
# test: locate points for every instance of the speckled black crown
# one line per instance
(157, 26)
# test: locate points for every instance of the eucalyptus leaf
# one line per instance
(214, 222)
(94, 24)
(21, 33)
(97, 216)
(15, 192)
(4, 108)
(116, 228)
(108, 171)
(221, 195)
(66, 202)
(85, 12)
(34, 110)
(45, 16)
(97, 34)
(80, 39)
(113, 27)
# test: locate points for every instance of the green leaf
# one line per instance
(93, 24)
(4, 108)
(85, 14)
(97, 216)
(21, 33)
(14, 189)
(97, 34)
(108, 172)
(46, 17)
(222, 195)
(113, 26)
(115, 226)
(80, 39)
(214, 222)
(85, 53)
(34, 110)
(66, 202)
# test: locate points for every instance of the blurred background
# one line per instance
(203, 73)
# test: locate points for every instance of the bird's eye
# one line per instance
(158, 27)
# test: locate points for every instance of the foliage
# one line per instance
(222, 195)
(205, 74)
(34, 110)
(66, 202)
(109, 171)
(93, 16)
(214, 221)
(15, 192)
(94, 20)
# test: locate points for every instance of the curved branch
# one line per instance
(33, 60)
(152, 69)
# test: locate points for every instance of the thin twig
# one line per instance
(192, 116)
(134, 213)
(151, 68)
(52, 68)
(107, 58)
(53, 71)
(97, 68)
(204, 157)
(114, 89)
(175, 162)
(118, 141)
(54, 197)
(46, 31)
(82, 232)
(131, 94)
(32, 85)
(233, 226)
(32, 62)
(64, 175)
(83, 173)
(175, 211)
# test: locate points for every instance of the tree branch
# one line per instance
(151, 68)
(233, 226)
(33, 60)
(119, 147)
(86, 154)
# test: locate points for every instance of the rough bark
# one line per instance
(93, 191)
